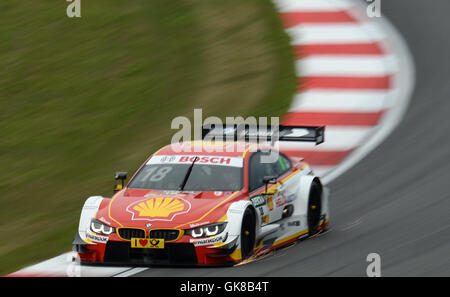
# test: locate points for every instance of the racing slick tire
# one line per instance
(314, 207)
(248, 233)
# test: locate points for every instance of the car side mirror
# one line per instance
(122, 176)
(269, 180)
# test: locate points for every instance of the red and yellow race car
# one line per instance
(207, 203)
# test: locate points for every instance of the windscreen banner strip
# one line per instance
(202, 160)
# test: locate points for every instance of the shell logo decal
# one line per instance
(158, 209)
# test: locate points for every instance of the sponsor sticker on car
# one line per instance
(258, 201)
(97, 238)
(205, 160)
(158, 208)
(147, 243)
(207, 241)
(281, 201)
(270, 202)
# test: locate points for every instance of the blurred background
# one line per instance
(84, 97)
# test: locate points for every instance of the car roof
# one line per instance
(216, 148)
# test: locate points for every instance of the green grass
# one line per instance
(83, 98)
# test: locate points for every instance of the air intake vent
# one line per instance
(128, 233)
(166, 234)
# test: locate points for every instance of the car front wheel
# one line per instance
(248, 234)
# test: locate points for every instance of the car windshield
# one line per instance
(208, 174)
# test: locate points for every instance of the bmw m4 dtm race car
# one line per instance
(210, 206)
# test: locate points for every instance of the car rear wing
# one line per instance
(263, 133)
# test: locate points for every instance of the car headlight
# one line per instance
(100, 228)
(206, 231)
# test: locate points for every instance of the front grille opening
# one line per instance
(128, 233)
(166, 234)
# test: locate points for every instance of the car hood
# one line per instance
(165, 209)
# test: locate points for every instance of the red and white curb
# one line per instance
(355, 76)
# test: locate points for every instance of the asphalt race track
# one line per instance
(395, 202)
